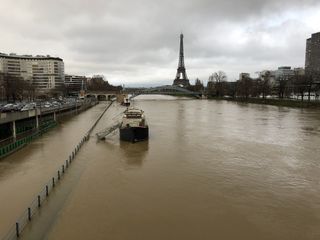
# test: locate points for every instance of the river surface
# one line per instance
(210, 170)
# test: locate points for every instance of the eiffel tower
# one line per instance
(181, 77)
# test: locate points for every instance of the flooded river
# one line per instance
(210, 170)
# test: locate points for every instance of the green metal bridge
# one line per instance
(165, 90)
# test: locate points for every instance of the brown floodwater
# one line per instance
(210, 170)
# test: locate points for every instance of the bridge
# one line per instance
(161, 90)
(164, 90)
(101, 95)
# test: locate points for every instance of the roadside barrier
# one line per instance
(16, 230)
(11, 147)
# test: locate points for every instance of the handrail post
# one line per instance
(39, 201)
(17, 230)
(29, 214)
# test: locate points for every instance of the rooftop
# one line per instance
(25, 56)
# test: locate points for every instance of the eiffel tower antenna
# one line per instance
(181, 76)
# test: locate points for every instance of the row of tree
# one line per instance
(99, 83)
(15, 88)
(283, 87)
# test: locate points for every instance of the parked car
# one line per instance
(56, 104)
(28, 106)
(47, 105)
(19, 106)
(10, 107)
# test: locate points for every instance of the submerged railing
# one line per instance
(16, 230)
(25, 138)
(26, 217)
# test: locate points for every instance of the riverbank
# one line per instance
(25, 172)
(27, 129)
(275, 102)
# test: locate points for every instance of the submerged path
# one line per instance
(25, 172)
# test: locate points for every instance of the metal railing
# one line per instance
(9, 145)
(15, 231)
(25, 138)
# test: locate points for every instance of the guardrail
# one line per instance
(16, 230)
(22, 141)
(10, 145)
(18, 115)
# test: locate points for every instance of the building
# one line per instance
(244, 76)
(43, 72)
(2, 88)
(75, 83)
(284, 72)
(299, 71)
(270, 74)
(312, 63)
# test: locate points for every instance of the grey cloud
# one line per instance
(137, 41)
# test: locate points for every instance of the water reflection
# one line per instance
(208, 167)
(134, 153)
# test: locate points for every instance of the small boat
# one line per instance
(134, 126)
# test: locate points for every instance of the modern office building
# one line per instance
(75, 83)
(284, 72)
(312, 64)
(43, 72)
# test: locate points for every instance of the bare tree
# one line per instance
(282, 85)
(244, 87)
(265, 87)
(99, 83)
(219, 79)
(300, 84)
(210, 85)
(198, 86)
(16, 88)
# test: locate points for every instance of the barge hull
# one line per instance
(134, 134)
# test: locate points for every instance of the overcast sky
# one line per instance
(137, 41)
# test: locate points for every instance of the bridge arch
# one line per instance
(91, 96)
(102, 97)
(111, 96)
